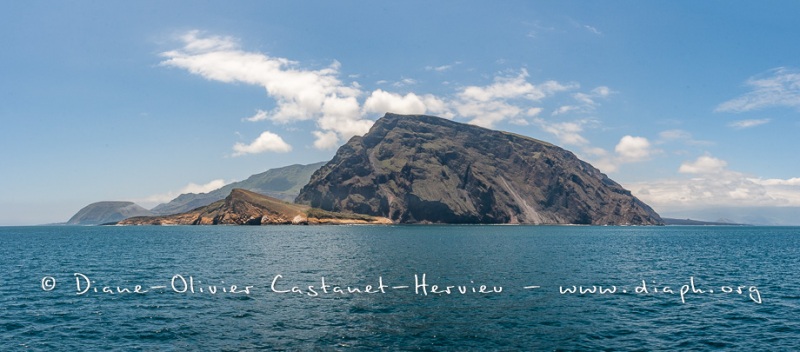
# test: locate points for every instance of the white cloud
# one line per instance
(318, 95)
(155, 199)
(325, 140)
(777, 87)
(266, 142)
(629, 150)
(439, 68)
(633, 149)
(564, 109)
(404, 82)
(566, 132)
(601, 91)
(671, 135)
(748, 123)
(678, 135)
(532, 112)
(382, 102)
(514, 88)
(487, 113)
(795, 181)
(703, 165)
(592, 29)
(587, 101)
(505, 99)
(204, 188)
(712, 185)
(259, 116)
(299, 94)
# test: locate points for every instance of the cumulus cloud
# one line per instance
(777, 87)
(266, 142)
(633, 149)
(703, 165)
(629, 150)
(325, 140)
(713, 185)
(742, 124)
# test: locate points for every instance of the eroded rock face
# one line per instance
(419, 169)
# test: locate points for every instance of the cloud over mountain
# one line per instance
(341, 110)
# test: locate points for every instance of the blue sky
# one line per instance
(692, 105)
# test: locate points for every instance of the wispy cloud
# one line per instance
(592, 30)
(404, 82)
(775, 88)
(508, 97)
(742, 124)
(442, 68)
(260, 115)
(682, 136)
(568, 132)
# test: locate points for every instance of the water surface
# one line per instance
(741, 288)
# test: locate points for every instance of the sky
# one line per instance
(692, 105)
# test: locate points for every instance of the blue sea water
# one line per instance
(663, 288)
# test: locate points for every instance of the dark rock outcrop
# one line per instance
(106, 212)
(242, 207)
(425, 169)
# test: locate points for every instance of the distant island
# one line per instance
(690, 222)
(105, 212)
(413, 169)
(242, 207)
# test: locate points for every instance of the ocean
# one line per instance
(536, 288)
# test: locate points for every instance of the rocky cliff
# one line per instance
(425, 169)
(242, 207)
(106, 212)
